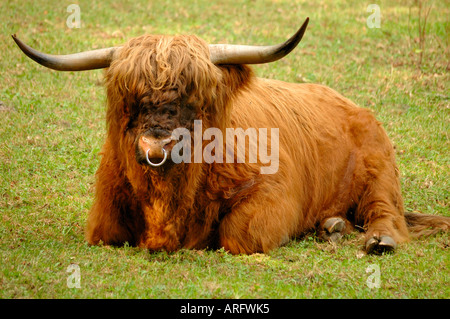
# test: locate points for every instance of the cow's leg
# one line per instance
(375, 185)
(332, 222)
(242, 233)
(113, 219)
(259, 225)
(380, 210)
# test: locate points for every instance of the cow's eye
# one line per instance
(169, 109)
(173, 112)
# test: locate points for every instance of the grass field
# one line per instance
(52, 125)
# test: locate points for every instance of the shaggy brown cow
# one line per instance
(335, 164)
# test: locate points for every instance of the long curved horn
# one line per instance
(220, 54)
(248, 54)
(88, 60)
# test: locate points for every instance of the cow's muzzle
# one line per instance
(156, 150)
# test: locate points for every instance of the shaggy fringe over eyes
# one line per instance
(157, 66)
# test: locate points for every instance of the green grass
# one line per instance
(52, 125)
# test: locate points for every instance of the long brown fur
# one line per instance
(335, 159)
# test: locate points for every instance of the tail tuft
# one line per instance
(421, 225)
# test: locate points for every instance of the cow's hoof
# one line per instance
(334, 225)
(383, 244)
(333, 229)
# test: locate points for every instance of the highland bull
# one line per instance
(336, 166)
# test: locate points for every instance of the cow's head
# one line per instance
(156, 84)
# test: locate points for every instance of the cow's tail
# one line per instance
(421, 225)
